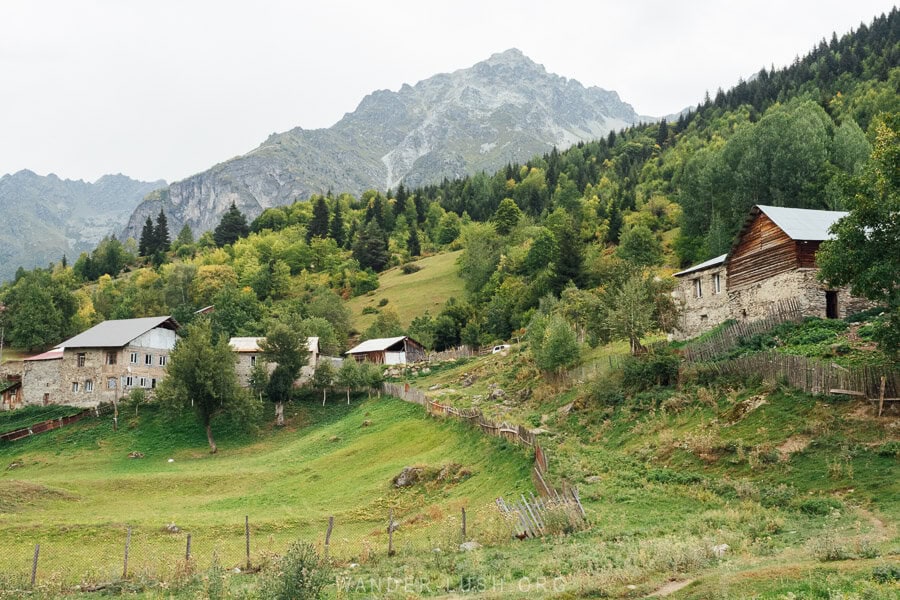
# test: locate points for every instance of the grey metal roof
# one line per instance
(713, 262)
(803, 224)
(251, 344)
(375, 345)
(117, 333)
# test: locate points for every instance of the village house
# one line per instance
(388, 351)
(101, 364)
(249, 353)
(772, 260)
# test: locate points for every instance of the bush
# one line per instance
(606, 392)
(299, 574)
(886, 573)
(369, 310)
(649, 370)
(382, 302)
(819, 506)
(866, 314)
(410, 268)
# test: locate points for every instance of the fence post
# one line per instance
(463, 523)
(247, 537)
(328, 534)
(391, 532)
(187, 552)
(125, 563)
(37, 551)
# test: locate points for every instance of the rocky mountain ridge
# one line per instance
(504, 109)
(46, 217)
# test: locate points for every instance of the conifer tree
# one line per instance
(161, 240)
(318, 226)
(147, 243)
(413, 244)
(336, 229)
(231, 228)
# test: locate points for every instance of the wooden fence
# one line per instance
(813, 376)
(456, 354)
(516, 434)
(728, 337)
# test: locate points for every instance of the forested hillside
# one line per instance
(575, 237)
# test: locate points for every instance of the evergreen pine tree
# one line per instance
(662, 134)
(371, 247)
(231, 228)
(147, 244)
(161, 240)
(412, 244)
(318, 226)
(336, 229)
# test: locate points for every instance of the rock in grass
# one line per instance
(408, 476)
(172, 528)
(469, 546)
(135, 454)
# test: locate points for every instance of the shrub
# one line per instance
(649, 370)
(819, 506)
(299, 574)
(886, 573)
(780, 495)
(606, 392)
(410, 268)
(382, 302)
(370, 310)
(865, 315)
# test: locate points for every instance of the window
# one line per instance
(162, 360)
(111, 383)
(134, 357)
(698, 288)
(111, 358)
(129, 381)
(153, 384)
(80, 359)
(252, 360)
(143, 382)
(75, 386)
(717, 283)
(148, 360)
(88, 385)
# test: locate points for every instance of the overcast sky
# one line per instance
(163, 89)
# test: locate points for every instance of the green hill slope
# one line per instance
(75, 490)
(411, 295)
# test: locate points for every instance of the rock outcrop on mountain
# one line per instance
(47, 217)
(504, 109)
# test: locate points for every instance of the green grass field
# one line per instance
(75, 491)
(412, 295)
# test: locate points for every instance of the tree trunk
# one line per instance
(279, 414)
(348, 396)
(212, 442)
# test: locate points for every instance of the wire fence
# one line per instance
(122, 551)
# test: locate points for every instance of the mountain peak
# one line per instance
(514, 58)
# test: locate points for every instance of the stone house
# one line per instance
(388, 351)
(103, 363)
(772, 259)
(248, 353)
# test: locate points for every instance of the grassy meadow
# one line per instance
(411, 295)
(75, 490)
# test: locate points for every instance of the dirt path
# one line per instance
(670, 588)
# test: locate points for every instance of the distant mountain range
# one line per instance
(46, 217)
(504, 109)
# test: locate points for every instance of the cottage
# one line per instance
(248, 353)
(388, 351)
(101, 364)
(772, 259)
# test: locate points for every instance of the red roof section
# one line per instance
(49, 355)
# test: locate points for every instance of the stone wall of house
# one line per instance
(701, 314)
(753, 302)
(41, 377)
(100, 382)
(244, 367)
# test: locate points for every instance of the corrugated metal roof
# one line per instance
(117, 333)
(251, 344)
(49, 355)
(375, 345)
(704, 265)
(803, 224)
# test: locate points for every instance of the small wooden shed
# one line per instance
(389, 351)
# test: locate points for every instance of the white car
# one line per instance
(500, 348)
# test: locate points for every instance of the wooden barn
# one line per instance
(773, 259)
(388, 351)
(11, 392)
